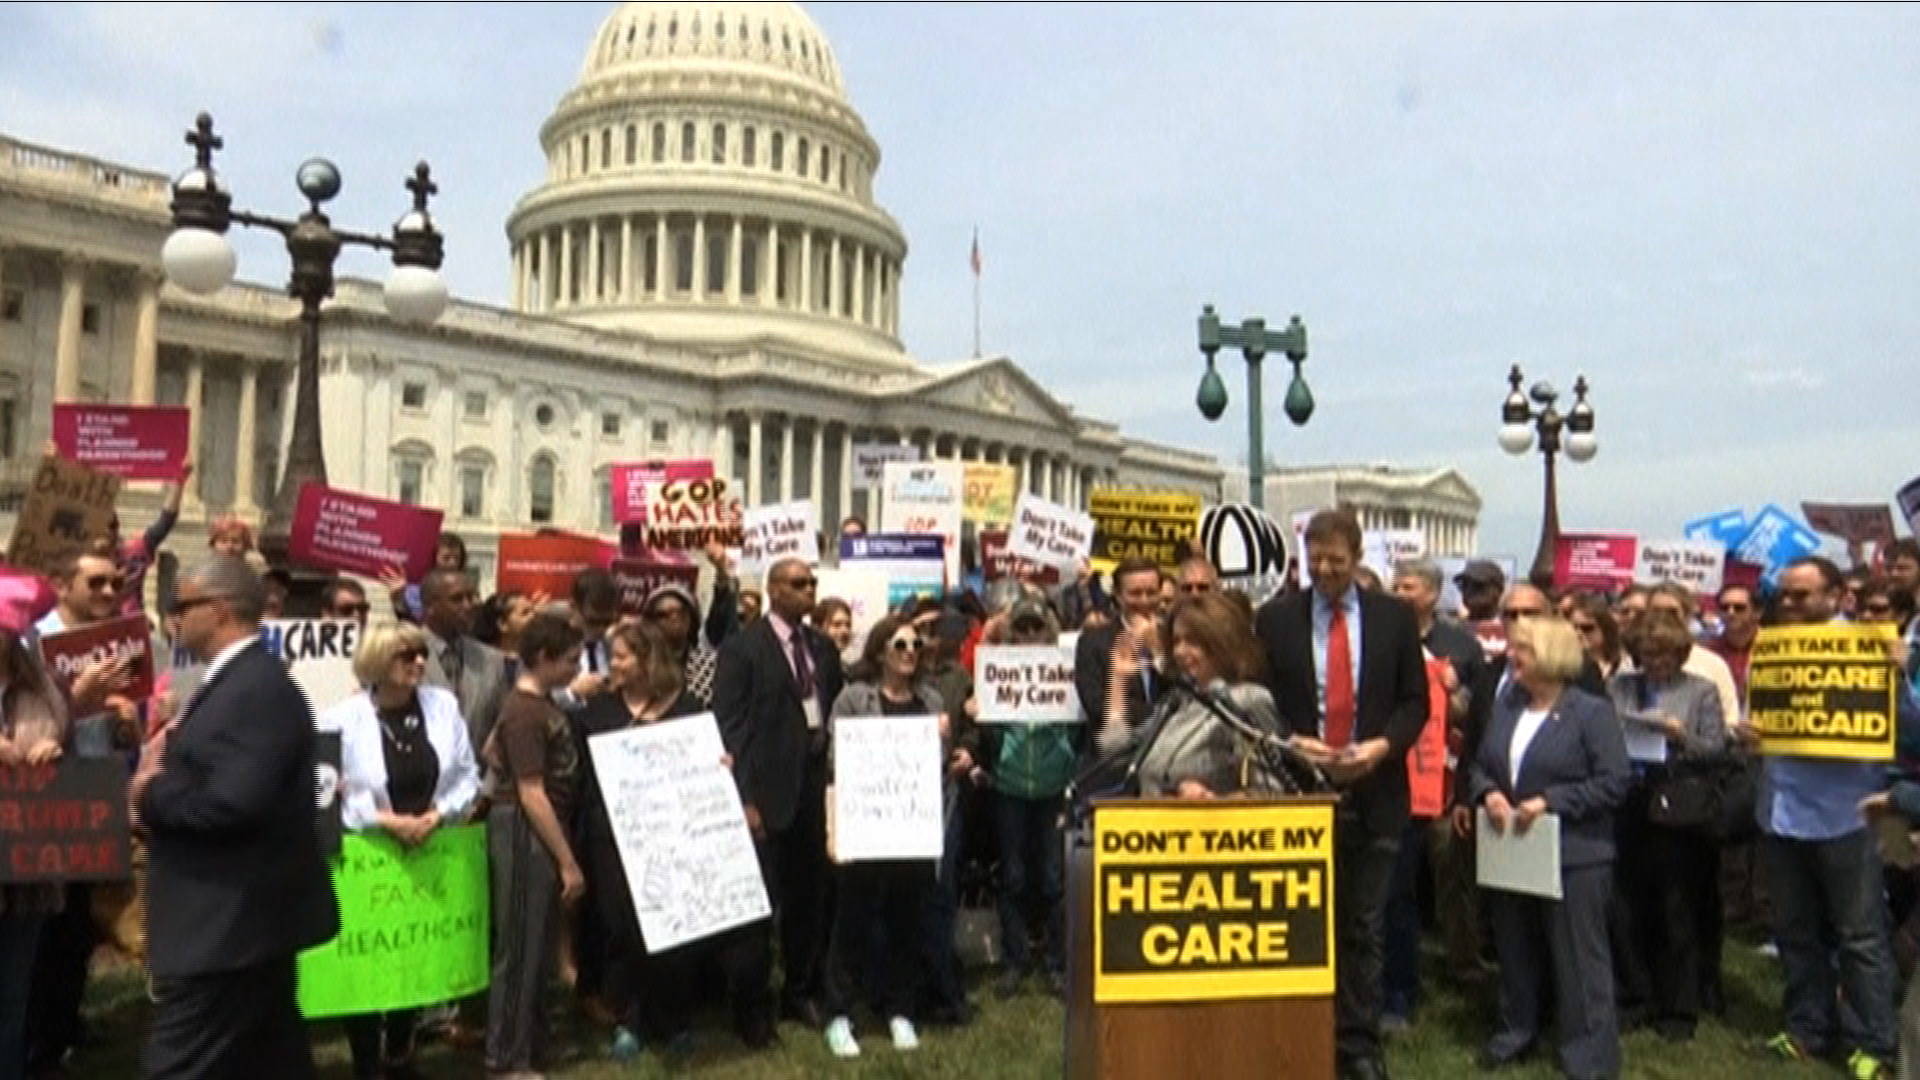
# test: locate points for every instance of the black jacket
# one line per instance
(235, 876)
(1093, 665)
(1390, 700)
(762, 720)
(1577, 760)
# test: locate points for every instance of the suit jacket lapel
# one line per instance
(207, 686)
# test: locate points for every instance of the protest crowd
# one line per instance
(786, 778)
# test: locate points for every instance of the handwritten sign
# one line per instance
(547, 562)
(914, 565)
(628, 482)
(1602, 561)
(64, 821)
(769, 534)
(1145, 524)
(1700, 565)
(683, 515)
(1385, 549)
(138, 442)
(924, 498)
(681, 831)
(866, 593)
(413, 925)
(998, 562)
(870, 460)
(885, 802)
(67, 506)
(1824, 691)
(1049, 534)
(1858, 523)
(318, 654)
(1026, 684)
(989, 494)
(71, 652)
(637, 578)
(344, 530)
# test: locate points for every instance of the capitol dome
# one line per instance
(708, 181)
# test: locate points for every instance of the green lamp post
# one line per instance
(1254, 341)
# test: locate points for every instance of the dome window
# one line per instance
(659, 142)
(800, 158)
(633, 143)
(686, 141)
(719, 144)
(747, 147)
(777, 154)
(673, 27)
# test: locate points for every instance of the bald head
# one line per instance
(230, 579)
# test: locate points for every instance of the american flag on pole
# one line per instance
(974, 259)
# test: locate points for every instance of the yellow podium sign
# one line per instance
(1212, 902)
(1824, 691)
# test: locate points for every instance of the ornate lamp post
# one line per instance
(198, 258)
(1519, 423)
(1254, 341)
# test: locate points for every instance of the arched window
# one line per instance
(717, 241)
(719, 144)
(843, 170)
(586, 153)
(825, 163)
(747, 147)
(633, 138)
(683, 260)
(540, 491)
(606, 148)
(800, 158)
(686, 141)
(778, 153)
(659, 143)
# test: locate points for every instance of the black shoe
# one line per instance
(1007, 985)
(1489, 1060)
(757, 1032)
(1367, 1068)
(806, 1012)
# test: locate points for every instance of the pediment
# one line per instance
(996, 387)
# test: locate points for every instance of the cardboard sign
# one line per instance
(627, 483)
(681, 830)
(1050, 534)
(1774, 540)
(1025, 684)
(1604, 562)
(319, 656)
(1700, 565)
(1825, 691)
(413, 925)
(65, 821)
(637, 578)
(769, 534)
(1909, 499)
(1384, 549)
(1212, 902)
(344, 530)
(67, 506)
(999, 563)
(548, 562)
(1856, 523)
(1153, 525)
(870, 460)
(885, 802)
(866, 592)
(137, 442)
(913, 565)
(1243, 543)
(989, 495)
(924, 498)
(1727, 526)
(685, 515)
(71, 652)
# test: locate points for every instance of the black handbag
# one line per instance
(1712, 796)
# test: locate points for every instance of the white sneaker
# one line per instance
(840, 1038)
(904, 1037)
(1769, 950)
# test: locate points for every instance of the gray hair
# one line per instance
(231, 579)
(1425, 569)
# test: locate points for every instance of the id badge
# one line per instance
(812, 705)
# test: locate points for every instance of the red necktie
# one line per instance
(1339, 680)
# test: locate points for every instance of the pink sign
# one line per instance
(344, 530)
(548, 561)
(629, 483)
(1602, 561)
(139, 442)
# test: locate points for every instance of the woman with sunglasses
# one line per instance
(1592, 618)
(673, 610)
(406, 768)
(879, 906)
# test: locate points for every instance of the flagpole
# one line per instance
(973, 261)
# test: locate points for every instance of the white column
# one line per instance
(567, 294)
(733, 263)
(517, 287)
(699, 257)
(543, 265)
(722, 449)
(806, 268)
(833, 276)
(146, 340)
(859, 284)
(846, 475)
(753, 458)
(244, 457)
(627, 261)
(786, 459)
(196, 375)
(73, 296)
(594, 290)
(1023, 469)
(819, 464)
(660, 257)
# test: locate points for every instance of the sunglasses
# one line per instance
(1516, 614)
(802, 582)
(1195, 588)
(106, 582)
(351, 611)
(1586, 627)
(1736, 609)
(410, 654)
(1879, 607)
(181, 607)
(904, 644)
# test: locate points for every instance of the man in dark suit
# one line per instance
(775, 682)
(1137, 582)
(1347, 674)
(236, 885)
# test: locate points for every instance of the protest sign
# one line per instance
(344, 530)
(70, 652)
(913, 565)
(1825, 691)
(865, 592)
(137, 442)
(1600, 561)
(1909, 500)
(988, 497)
(65, 820)
(67, 506)
(683, 515)
(999, 563)
(1147, 524)
(1209, 901)
(924, 498)
(769, 534)
(1856, 523)
(1773, 540)
(1049, 534)
(1299, 522)
(413, 925)
(637, 578)
(1242, 542)
(547, 562)
(871, 458)
(1025, 684)
(327, 824)
(681, 830)
(627, 483)
(1700, 565)
(1727, 526)
(1384, 549)
(885, 801)
(318, 654)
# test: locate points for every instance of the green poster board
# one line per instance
(413, 925)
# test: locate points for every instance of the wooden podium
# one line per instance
(1225, 978)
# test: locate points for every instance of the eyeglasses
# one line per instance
(904, 644)
(1586, 627)
(181, 607)
(1879, 607)
(1736, 609)
(351, 611)
(410, 654)
(1516, 614)
(802, 582)
(106, 582)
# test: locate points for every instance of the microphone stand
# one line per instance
(1265, 742)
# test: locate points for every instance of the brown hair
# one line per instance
(872, 660)
(1220, 628)
(1134, 565)
(231, 525)
(660, 674)
(1340, 525)
(1659, 631)
(824, 610)
(1596, 608)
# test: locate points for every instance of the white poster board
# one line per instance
(870, 460)
(681, 832)
(865, 592)
(1700, 565)
(1383, 549)
(886, 801)
(768, 534)
(1049, 534)
(1025, 684)
(318, 654)
(1526, 863)
(924, 498)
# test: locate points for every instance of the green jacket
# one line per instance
(1032, 761)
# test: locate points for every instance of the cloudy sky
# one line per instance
(1708, 211)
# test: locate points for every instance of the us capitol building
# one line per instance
(704, 272)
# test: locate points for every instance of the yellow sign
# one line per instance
(1824, 691)
(989, 493)
(1212, 901)
(1147, 524)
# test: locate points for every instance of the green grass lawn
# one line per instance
(1022, 1038)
